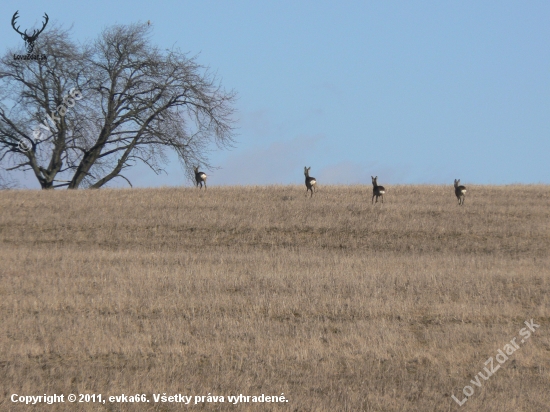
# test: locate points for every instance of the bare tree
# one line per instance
(89, 112)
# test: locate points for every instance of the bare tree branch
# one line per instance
(136, 103)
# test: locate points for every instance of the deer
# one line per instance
(311, 182)
(377, 191)
(29, 40)
(460, 192)
(200, 178)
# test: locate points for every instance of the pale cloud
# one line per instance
(257, 123)
(351, 173)
(332, 89)
(281, 162)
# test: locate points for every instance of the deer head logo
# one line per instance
(29, 40)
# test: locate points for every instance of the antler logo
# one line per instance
(29, 40)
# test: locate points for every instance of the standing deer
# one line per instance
(377, 190)
(200, 177)
(460, 192)
(311, 182)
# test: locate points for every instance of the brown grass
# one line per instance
(338, 304)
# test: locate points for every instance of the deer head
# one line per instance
(29, 40)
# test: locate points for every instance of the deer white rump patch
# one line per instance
(312, 182)
(202, 175)
(382, 192)
(463, 190)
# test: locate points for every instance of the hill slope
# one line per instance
(337, 303)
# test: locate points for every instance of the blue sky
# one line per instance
(412, 91)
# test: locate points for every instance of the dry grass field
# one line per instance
(339, 304)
